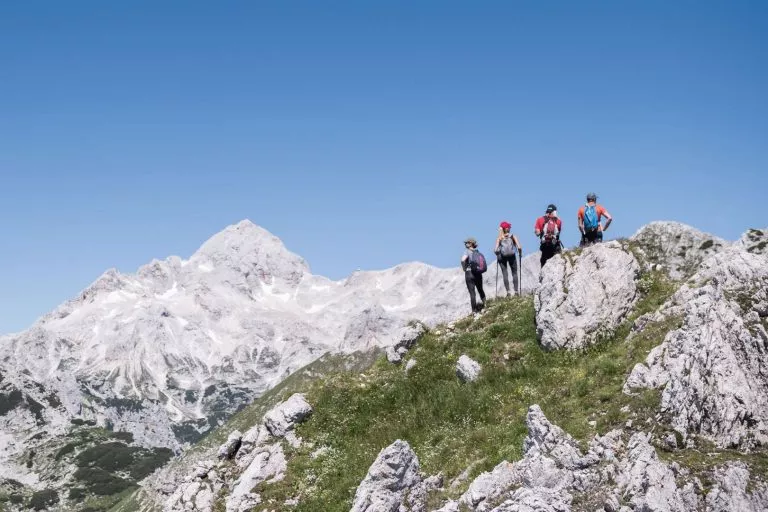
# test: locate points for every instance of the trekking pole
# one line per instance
(520, 272)
(497, 278)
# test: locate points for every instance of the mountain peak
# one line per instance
(247, 245)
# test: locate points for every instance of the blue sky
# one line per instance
(364, 134)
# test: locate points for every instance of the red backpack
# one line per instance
(550, 233)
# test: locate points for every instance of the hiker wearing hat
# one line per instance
(589, 217)
(473, 264)
(507, 248)
(548, 228)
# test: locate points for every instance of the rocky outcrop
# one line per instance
(584, 296)
(730, 491)
(755, 241)
(406, 339)
(675, 247)
(614, 476)
(394, 473)
(283, 418)
(257, 455)
(467, 369)
(552, 469)
(712, 370)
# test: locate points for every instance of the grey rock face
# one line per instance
(755, 241)
(229, 449)
(676, 247)
(406, 339)
(394, 473)
(467, 369)
(730, 492)
(712, 369)
(650, 482)
(283, 418)
(258, 457)
(579, 300)
(553, 470)
(538, 499)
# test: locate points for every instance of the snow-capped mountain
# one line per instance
(173, 349)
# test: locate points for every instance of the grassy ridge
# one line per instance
(451, 425)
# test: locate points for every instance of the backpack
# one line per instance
(477, 262)
(591, 220)
(507, 246)
(550, 234)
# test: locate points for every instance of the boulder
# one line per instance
(467, 369)
(268, 465)
(285, 416)
(230, 447)
(585, 296)
(391, 477)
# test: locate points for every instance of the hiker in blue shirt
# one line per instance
(590, 216)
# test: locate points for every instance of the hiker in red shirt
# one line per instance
(548, 228)
(589, 217)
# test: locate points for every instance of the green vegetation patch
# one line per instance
(9, 401)
(102, 483)
(449, 424)
(118, 457)
(44, 500)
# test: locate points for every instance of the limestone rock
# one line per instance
(581, 297)
(284, 418)
(393, 474)
(467, 369)
(730, 492)
(712, 370)
(537, 499)
(268, 465)
(451, 506)
(675, 247)
(230, 447)
(755, 241)
(648, 481)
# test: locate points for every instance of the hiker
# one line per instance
(473, 264)
(589, 217)
(507, 248)
(548, 228)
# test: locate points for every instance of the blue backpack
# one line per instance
(591, 221)
(477, 262)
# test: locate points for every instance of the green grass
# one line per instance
(450, 424)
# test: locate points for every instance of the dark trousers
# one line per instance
(475, 280)
(512, 262)
(547, 251)
(591, 237)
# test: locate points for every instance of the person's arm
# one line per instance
(580, 217)
(607, 216)
(537, 227)
(496, 247)
(517, 243)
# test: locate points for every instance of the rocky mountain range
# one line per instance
(163, 356)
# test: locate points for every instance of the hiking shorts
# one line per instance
(592, 237)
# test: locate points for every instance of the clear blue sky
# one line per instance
(364, 134)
